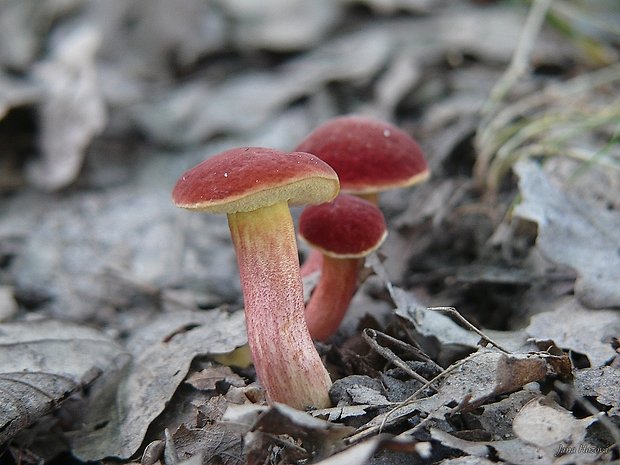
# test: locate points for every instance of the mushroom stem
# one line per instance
(312, 263)
(286, 361)
(332, 295)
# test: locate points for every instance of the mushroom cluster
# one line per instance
(255, 186)
(370, 157)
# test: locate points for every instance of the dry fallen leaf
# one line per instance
(469, 384)
(208, 378)
(362, 453)
(283, 26)
(72, 111)
(573, 327)
(217, 442)
(265, 427)
(541, 430)
(162, 354)
(573, 231)
(432, 325)
(601, 383)
(282, 419)
(497, 417)
(513, 451)
(42, 362)
(246, 101)
(545, 424)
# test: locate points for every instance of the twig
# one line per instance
(406, 403)
(454, 313)
(370, 336)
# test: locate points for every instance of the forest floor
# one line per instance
(487, 328)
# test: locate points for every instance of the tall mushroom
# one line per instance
(344, 231)
(369, 156)
(254, 186)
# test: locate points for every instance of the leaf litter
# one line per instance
(532, 379)
(43, 362)
(566, 221)
(162, 353)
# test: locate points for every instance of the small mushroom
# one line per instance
(344, 231)
(254, 186)
(369, 156)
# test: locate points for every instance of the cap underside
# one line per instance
(249, 178)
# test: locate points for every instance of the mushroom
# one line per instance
(344, 231)
(370, 156)
(254, 186)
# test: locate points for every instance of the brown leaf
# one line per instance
(282, 419)
(217, 442)
(208, 378)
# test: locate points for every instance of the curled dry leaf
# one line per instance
(573, 327)
(573, 232)
(468, 384)
(42, 362)
(488, 374)
(162, 354)
(208, 378)
(73, 110)
(545, 424)
(218, 442)
(282, 419)
(432, 325)
(601, 383)
(263, 427)
(511, 450)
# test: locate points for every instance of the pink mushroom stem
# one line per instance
(286, 361)
(338, 283)
(344, 231)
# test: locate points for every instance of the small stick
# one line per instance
(454, 313)
(378, 428)
(370, 336)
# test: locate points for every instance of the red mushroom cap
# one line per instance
(249, 178)
(347, 227)
(368, 155)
